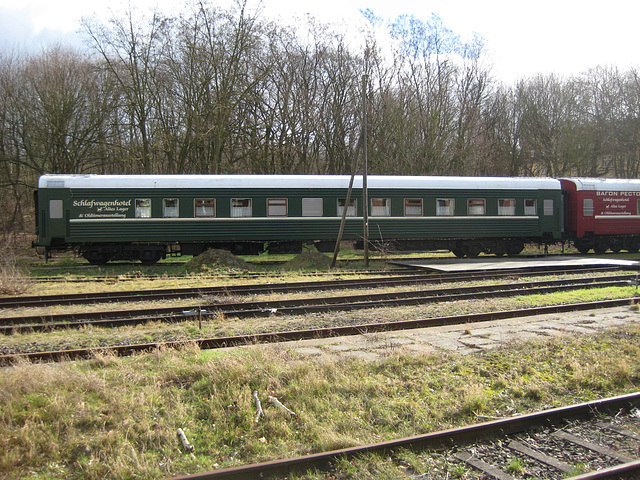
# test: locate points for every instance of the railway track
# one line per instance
(295, 335)
(11, 325)
(596, 436)
(256, 289)
(218, 275)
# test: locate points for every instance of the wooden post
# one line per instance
(346, 208)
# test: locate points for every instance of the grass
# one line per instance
(515, 466)
(14, 279)
(117, 417)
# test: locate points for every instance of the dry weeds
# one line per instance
(117, 417)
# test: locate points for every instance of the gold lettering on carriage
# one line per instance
(102, 208)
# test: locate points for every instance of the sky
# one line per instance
(523, 37)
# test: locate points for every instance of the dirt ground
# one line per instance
(466, 338)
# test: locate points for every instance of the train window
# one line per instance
(351, 211)
(587, 207)
(445, 207)
(412, 207)
(380, 207)
(548, 206)
(143, 208)
(55, 208)
(170, 208)
(240, 207)
(276, 207)
(312, 207)
(476, 206)
(506, 206)
(204, 207)
(530, 206)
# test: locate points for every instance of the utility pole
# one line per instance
(365, 196)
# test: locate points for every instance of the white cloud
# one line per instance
(523, 37)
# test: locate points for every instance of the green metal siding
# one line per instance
(85, 224)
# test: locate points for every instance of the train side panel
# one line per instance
(603, 213)
(106, 217)
(110, 216)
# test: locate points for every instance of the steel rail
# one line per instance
(10, 325)
(190, 292)
(443, 438)
(235, 275)
(296, 335)
(630, 470)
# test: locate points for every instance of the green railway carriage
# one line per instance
(146, 217)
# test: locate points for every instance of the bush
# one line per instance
(13, 280)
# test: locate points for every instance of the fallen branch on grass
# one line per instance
(277, 403)
(258, 406)
(185, 443)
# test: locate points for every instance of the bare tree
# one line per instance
(12, 179)
(501, 144)
(130, 48)
(63, 119)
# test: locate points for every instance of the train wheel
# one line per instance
(458, 252)
(500, 250)
(95, 257)
(150, 257)
(583, 249)
(632, 246)
(473, 251)
(515, 248)
(601, 246)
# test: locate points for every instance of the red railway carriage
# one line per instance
(602, 214)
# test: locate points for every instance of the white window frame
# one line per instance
(277, 207)
(531, 207)
(168, 210)
(143, 208)
(413, 207)
(204, 207)
(351, 210)
(312, 207)
(476, 207)
(241, 207)
(380, 207)
(445, 207)
(548, 207)
(507, 207)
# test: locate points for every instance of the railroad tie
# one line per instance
(620, 430)
(592, 446)
(540, 457)
(494, 472)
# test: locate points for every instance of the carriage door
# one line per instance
(588, 208)
(56, 221)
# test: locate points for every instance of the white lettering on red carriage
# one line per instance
(615, 203)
